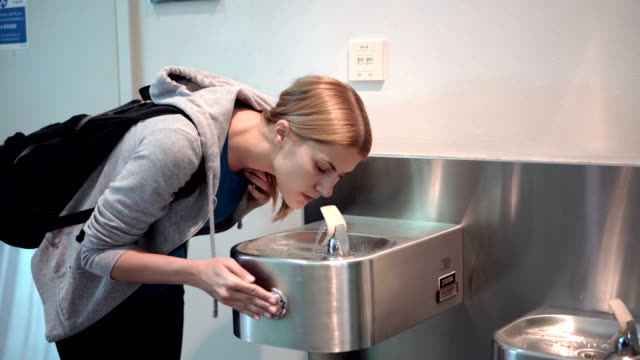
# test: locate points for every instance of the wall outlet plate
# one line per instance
(366, 60)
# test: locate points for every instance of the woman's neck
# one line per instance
(249, 144)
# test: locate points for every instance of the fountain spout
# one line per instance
(337, 239)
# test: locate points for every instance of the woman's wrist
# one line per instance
(194, 273)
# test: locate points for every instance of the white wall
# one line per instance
(69, 67)
(517, 80)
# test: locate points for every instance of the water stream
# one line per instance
(321, 232)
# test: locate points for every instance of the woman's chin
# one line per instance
(296, 203)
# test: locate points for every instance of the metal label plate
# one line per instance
(448, 279)
(447, 292)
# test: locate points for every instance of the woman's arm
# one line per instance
(222, 278)
(153, 161)
(165, 153)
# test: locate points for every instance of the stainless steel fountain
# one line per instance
(395, 274)
(563, 334)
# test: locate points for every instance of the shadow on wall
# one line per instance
(366, 85)
(220, 343)
(210, 348)
(431, 334)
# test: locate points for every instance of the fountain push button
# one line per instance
(282, 303)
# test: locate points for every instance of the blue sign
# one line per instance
(13, 23)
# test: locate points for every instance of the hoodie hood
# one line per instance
(209, 100)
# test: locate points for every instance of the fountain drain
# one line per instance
(591, 354)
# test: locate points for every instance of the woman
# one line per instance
(248, 151)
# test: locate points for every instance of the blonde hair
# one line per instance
(322, 109)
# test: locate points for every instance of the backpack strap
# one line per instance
(145, 93)
(190, 186)
(71, 219)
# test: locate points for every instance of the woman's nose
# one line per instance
(326, 184)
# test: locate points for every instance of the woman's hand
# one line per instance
(259, 188)
(225, 280)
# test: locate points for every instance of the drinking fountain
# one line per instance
(549, 334)
(363, 281)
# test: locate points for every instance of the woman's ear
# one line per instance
(281, 131)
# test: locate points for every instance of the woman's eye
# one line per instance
(320, 169)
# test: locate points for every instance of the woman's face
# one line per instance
(306, 169)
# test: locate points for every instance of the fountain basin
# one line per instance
(556, 334)
(300, 245)
(398, 274)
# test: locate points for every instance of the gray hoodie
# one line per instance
(133, 194)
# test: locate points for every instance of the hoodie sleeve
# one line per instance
(163, 160)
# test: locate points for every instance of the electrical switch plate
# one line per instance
(366, 60)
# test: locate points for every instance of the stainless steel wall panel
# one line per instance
(559, 235)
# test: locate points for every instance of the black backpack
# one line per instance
(41, 172)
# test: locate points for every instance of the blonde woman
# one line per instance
(121, 287)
